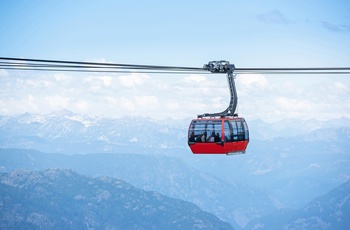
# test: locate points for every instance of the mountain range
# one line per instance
(63, 199)
(167, 175)
(67, 132)
(330, 211)
(288, 163)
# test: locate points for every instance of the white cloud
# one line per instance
(3, 73)
(253, 80)
(219, 103)
(338, 86)
(198, 107)
(132, 80)
(274, 17)
(249, 83)
(314, 165)
(264, 97)
(33, 83)
(107, 81)
(31, 102)
(111, 100)
(301, 97)
(96, 84)
(100, 80)
(194, 79)
(81, 105)
(294, 105)
(126, 104)
(134, 139)
(27, 103)
(61, 77)
(57, 102)
(173, 105)
(148, 102)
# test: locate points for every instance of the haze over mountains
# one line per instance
(330, 211)
(63, 199)
(287, 165)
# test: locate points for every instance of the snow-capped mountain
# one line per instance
(66, 132)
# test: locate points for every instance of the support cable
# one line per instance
(75, 66)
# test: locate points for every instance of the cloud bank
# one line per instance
(184, 96)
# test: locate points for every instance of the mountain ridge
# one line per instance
(329, 211)
(234, 203)
(63, 199)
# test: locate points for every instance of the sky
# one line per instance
(252, 33)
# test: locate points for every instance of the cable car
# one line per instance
(224, 132)
(228, 135)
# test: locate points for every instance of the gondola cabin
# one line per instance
(227, 135)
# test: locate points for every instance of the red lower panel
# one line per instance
(213, 148)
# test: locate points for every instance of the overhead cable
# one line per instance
(100, 67)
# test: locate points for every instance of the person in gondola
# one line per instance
(192, 139)
(217, 137)
(204, 137)
(199, 138)
(211, 138)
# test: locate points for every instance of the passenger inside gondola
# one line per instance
(192, 139)
(199, 138)
(217, 137)
(204, 137)
(211, 138)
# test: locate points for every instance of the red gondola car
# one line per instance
(228, 135)
(224, 132)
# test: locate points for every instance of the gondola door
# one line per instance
(228, 137)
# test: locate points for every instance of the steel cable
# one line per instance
(98, 67)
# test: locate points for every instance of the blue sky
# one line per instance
(179, 33)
